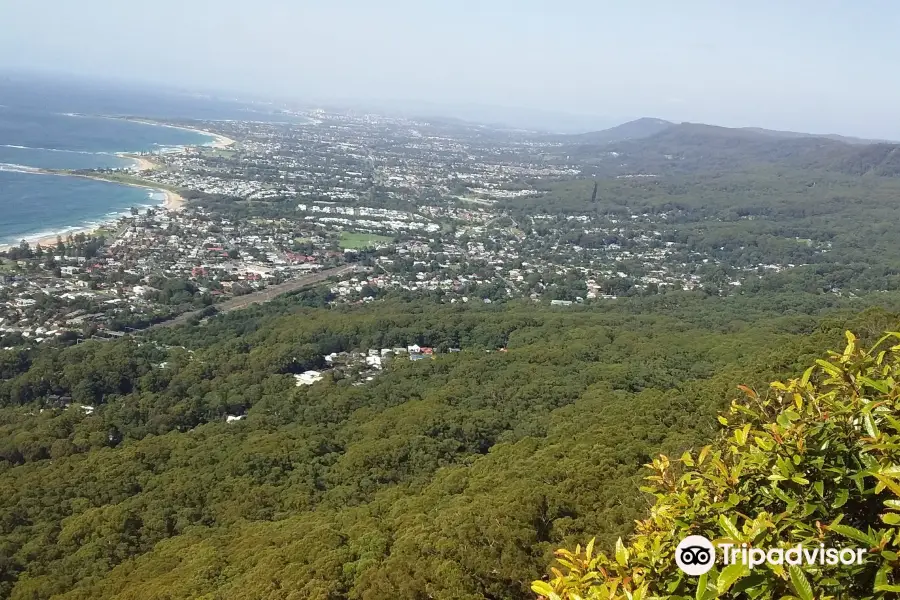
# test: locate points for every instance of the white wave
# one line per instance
(170, 149)
(14, 168)
(34, 237)
(56, 150)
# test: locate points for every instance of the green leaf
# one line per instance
(890, 483)
(881, 578)
(871, 428)
(779, 493)
(730, 575)
(800, 480)
(853, 534)
(891, 518)
(828, 367)
(881, 386)
(747, 584)
(701, 588)
(729, 528)
(800, 583)
(544, 589)
(740, 435)
(820, 488)
(806, 375)
(840, 498)
(621, 553)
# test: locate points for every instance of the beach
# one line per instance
(142, 163)
(167, 199)
(219, 141)
(172, 202)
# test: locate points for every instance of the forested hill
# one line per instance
(697, 148)
(632, 130)
(646, 127)
(452, 477)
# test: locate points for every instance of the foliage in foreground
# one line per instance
(813, 461)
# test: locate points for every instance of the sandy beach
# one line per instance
(222, 141)
(142, 163)
(173, 202)
(51, 240)
(219, 141)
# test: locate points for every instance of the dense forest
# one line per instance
(454, 477)
(809, 463)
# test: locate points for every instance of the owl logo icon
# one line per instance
(695, 555)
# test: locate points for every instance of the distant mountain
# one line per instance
(724, 146)
(694, 147)
(725, 141)
(829, 136)
(647, 127)
(632, 130)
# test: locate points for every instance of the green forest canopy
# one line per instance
(811, 463)
(455, 477)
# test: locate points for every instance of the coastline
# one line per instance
(219, 141)
(172, 201)
(142, 163)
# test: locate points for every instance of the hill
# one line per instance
(699, 148)
(828, 136)
(647, 127)
(632, 130)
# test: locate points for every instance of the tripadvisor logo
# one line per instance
(695, 555)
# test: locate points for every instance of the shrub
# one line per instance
(812, 461)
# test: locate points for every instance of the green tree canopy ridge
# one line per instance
(815, 460)
(453, 478)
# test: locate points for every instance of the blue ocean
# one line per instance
(72, 125)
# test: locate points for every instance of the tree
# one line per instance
(812, 462)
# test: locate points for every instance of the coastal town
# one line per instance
(378, 205)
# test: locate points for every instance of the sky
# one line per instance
(820, 66)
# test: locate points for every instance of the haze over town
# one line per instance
(805, 66)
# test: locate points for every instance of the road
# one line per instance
(261, 296)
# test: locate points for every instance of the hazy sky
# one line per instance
(813, 65)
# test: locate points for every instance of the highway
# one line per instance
(259, 297)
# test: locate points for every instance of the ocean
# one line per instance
(67, 125)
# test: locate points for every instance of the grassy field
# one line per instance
(357, 241)
(108, 232)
